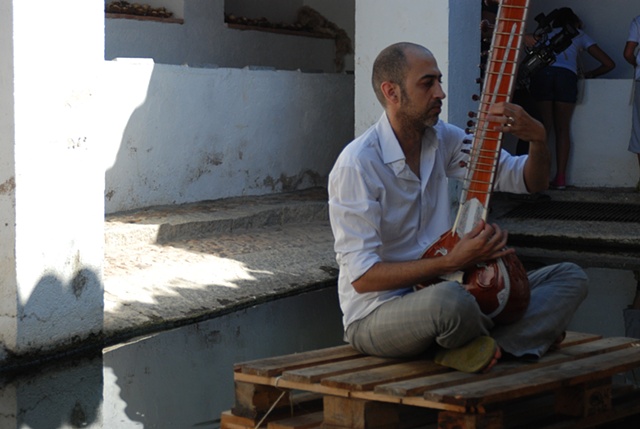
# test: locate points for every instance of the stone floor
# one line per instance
(169, 266)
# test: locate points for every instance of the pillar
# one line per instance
(51, 177)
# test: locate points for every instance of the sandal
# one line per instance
(558, 341)
(472, 357)
(558, 183)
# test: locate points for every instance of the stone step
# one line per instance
(164, 224)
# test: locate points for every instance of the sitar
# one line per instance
(500, 286)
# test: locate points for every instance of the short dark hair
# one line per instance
(390, 66)
(565, 15)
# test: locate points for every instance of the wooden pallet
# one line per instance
(569, 387)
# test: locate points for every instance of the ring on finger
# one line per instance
(510, 121)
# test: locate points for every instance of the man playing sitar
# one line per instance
(389, 202)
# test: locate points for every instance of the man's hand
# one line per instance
(513, 119)
(483, 243)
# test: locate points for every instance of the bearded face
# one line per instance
(418, 114)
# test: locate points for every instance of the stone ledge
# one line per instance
(144, 18)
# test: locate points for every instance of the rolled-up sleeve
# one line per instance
(355, 216)
(510, 177)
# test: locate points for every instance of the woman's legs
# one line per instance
(557, 115)
(638, 185)
(545, 108)
(562, 114)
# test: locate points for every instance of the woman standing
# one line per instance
(555, 87)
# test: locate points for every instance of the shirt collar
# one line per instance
(389, 145)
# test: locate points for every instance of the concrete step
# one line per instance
(163, 224)
(169, 266)
(587, 242)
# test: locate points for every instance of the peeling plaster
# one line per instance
(79, 282)
(212, 159)
(292, 183)
(8, 187)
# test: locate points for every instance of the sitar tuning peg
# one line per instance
(470, 123)
(472, 114)
(467, 141)
(468, 130)
(475, 97)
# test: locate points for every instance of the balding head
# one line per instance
(391, 65)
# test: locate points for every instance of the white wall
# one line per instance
(216, 129)
(8, 280)
(176, 134)
(380, 23)
(50, 188)
(434, 24)
(600, 129)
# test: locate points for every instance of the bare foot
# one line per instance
(494, 361)
(558, 341)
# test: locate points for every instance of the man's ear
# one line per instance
(391, 92)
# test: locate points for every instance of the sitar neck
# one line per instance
(499, 79)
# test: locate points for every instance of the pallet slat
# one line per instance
(304, 421)
(573, 338)
(604, 345)
(537, 380)
(316, 373)
(571, 350)
(274, 366)
(367, 380)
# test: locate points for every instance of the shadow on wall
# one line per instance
(185, 143)
(51, 314)
(202, 134)
(55, 394)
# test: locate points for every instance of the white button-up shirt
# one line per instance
(381, 211)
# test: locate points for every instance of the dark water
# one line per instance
(181, 378)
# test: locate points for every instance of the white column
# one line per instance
(51, 176)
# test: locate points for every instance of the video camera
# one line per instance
(543, 53)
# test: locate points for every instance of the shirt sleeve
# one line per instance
(634, 31)
(586, 41)
(510, 176)
(355, 218)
